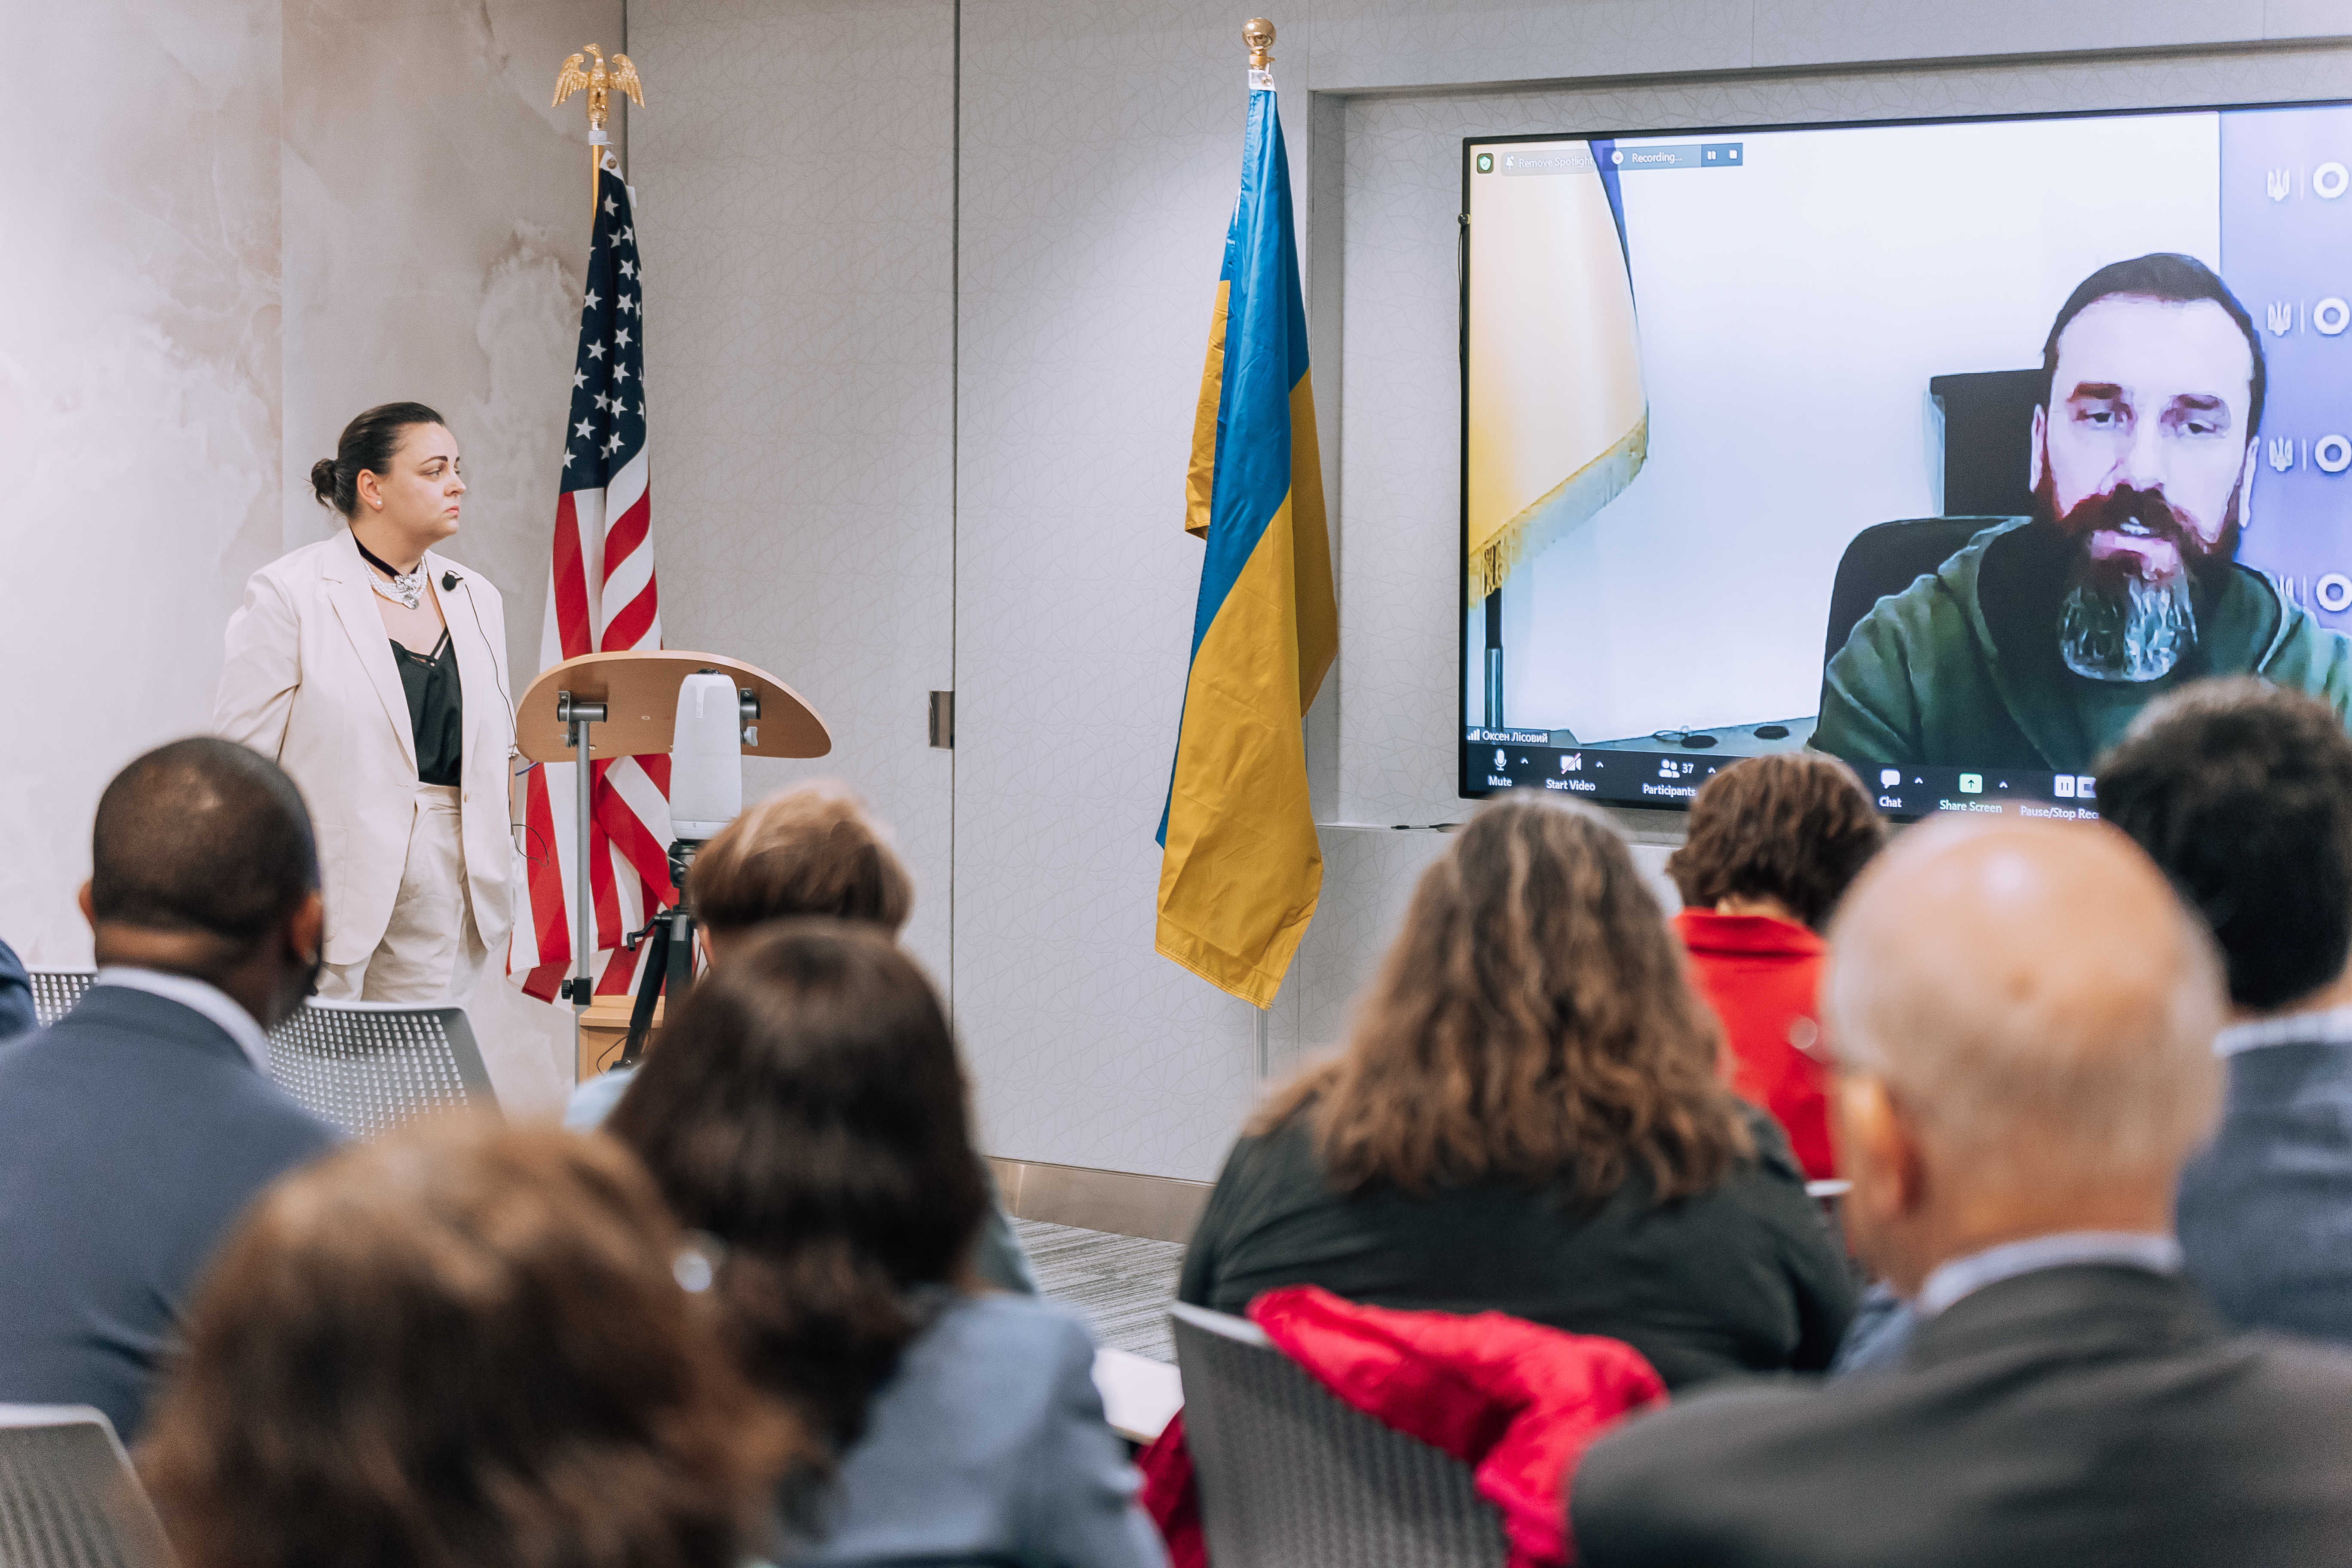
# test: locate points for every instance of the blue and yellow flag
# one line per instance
(1241, 870)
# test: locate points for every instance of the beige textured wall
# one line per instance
(140, 401)
(235, 224)
(795, 216)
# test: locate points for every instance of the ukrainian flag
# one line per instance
(1241, 870)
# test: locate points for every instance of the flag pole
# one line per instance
(599, 81)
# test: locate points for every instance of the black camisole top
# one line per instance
(436, 709)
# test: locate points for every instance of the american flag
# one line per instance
(600, 598)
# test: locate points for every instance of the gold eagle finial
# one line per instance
(598, 81)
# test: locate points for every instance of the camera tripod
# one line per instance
(671, 961)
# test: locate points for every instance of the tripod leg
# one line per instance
(681, 954)
(649, 984)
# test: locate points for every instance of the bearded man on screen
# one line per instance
(2039, 641)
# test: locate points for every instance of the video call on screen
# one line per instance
(1761, 450)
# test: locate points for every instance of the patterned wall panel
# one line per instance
(1101, 150)
(1387, 45)
(793, 171)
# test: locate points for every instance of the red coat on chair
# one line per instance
(1518, 1401)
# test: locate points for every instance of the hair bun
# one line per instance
(322, 481)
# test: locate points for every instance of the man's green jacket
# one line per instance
(1962, 669)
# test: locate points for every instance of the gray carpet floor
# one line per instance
(1120, 1284)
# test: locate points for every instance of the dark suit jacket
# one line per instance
(2265, 1213)
(2074, 1416)
(132, 1132)
(16, 996)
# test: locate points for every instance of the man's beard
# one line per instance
(2117, 622)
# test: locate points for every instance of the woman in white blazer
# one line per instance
(374, 671)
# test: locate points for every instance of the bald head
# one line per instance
(2035, 999)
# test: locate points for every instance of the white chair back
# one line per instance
(69, 1498)
(364, 1066)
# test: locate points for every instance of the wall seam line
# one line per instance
(955, 463)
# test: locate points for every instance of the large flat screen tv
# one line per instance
(1944, 447)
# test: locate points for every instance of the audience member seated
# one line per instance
(15, 995)
(1527, 1119)
(134, 1131)
(1773, 842)
(2024, 1019)
(2242, 794)
(813, 850)
(461, 1344)
(806, 1107)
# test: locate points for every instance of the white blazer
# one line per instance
(311, 681)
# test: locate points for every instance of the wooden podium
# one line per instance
(605, 705)
(635, 696)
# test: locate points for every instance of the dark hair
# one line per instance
(2243, 794)
(463, 1344)
(1794, 825)
(2175, 279)
(1531, 1022)
(202, 835)
(806, 1107)
(369, 443)
(808, 851)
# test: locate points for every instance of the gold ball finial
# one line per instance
(1258, 33)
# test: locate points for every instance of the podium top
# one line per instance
(640, 694)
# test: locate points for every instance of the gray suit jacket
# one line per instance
(2266, 1213)
(133, 1133)
(2069, 1418)
(987, 1448)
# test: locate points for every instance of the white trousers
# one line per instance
(431, 954)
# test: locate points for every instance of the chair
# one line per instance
(367, 1067)
(1886, 558)
(1987, 439)
(364, 1066)
(69, 1498)
(55, 992)
(1292, 1478)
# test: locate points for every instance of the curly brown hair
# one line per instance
(460, 1346)
(1531, 1021)
(1793, 826)
(807, 1108)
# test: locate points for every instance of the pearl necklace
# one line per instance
(405, 589)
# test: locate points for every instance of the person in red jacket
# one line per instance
(1773, 842)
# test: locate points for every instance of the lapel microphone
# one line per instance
(448, 581)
